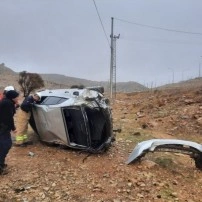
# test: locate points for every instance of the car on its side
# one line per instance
(76, 118)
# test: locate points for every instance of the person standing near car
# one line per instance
(22, 119)
(7, 111)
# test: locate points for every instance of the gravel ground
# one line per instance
(42, 173)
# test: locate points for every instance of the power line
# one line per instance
(160, 28)
(101, 22)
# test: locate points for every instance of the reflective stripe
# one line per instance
(19, 138)
(25, 137)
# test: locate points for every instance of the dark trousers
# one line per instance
(5, 145)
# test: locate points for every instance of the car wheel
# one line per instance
(198, 162)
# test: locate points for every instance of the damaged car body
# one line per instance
(193, 149)
(76, 118)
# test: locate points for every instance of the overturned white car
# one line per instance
(76, 118)
(193, 149)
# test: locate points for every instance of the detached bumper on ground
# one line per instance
(193, 149)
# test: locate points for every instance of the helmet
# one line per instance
(8, 88)
(38, 95)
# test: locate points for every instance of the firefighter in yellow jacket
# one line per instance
(22, 119)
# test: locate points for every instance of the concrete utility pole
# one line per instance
(113, 61)
(114, 64)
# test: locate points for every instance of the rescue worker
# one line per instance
(7, 111)
(22, 120)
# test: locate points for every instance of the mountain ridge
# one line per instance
(53, 81)
(62, 81)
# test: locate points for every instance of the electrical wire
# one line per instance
(101, 22)
(160, 28)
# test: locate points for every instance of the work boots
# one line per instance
(3, 170)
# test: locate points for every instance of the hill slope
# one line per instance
(5, 70)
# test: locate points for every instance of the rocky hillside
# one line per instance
(188, 84)
(7, 77)
(5, 70)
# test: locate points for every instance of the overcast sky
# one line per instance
(66, 37)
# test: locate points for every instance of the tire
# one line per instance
(198, 162)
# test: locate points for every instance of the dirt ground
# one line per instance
(42, 173)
